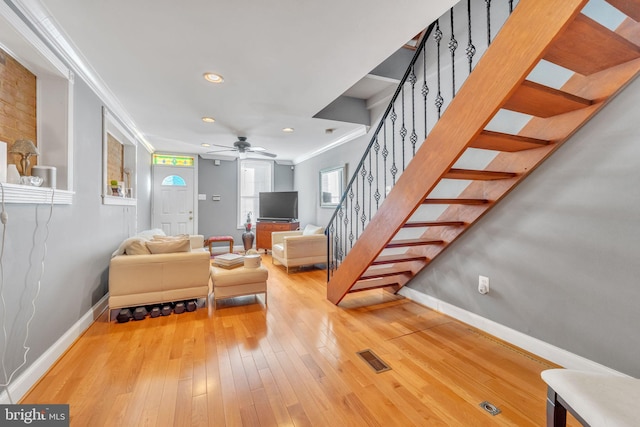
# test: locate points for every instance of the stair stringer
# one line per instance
(503, 67)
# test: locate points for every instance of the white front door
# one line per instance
(173, 199)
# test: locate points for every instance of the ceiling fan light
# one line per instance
(242, 155)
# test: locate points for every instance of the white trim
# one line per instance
(533, 345)
(350, 136)
(21, 28)
(118, 201)
(16, 193)
(27, 379)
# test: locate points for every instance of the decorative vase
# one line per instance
(13, 177)
(247, 239)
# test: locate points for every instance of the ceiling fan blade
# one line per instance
(264, 153)
(220, 151)
(224, 146)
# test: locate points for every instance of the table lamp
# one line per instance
(26, 148)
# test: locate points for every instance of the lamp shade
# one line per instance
(25, 147)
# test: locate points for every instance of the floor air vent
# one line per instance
(490, 408)
(374, 361)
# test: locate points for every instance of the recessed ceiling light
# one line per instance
(208, 119)
(287, 130)
(204, 144)
(213, 77)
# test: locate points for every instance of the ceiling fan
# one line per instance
(243, 147)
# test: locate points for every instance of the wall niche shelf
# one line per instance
(54, 108)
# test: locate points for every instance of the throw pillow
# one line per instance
(137, 247)
(169, 246)
(165, 238)
(122, 249)
(312, 229)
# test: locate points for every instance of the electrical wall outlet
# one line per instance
(483, 285)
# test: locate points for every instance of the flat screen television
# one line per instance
(278, 206)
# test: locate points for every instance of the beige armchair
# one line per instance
(300, 247)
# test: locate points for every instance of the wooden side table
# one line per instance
(215, 239)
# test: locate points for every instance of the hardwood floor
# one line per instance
(294, 362)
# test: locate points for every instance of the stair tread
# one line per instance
(411, 224)
(455, 202)
(385, 272)
(542, 101)
(396, 258)
(367, 285)
(588, 47)
(498, 141)
(629, 8)
(413, 242)
(479, 175)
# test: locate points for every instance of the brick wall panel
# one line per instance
(17, 103)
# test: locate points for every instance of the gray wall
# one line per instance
(307, 179)
(79, 241)
(561, 250)
(219, 218)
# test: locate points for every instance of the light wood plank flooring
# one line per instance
(294, 362)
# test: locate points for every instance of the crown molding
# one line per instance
(349, 136)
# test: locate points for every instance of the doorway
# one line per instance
(174, 199)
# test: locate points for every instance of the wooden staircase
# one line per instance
(603, 62)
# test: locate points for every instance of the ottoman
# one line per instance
(239, 281)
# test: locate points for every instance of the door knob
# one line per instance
(190, 217)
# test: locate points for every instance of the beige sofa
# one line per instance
(299, 247)
(145, 279)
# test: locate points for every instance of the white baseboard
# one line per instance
(23, 383)
(532, 345)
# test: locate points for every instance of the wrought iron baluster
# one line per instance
(510, 6)
(385, 153)
(351, 235)
(414, 137)
(488, 3)
(370, 179)
(356, 208)
(376, 147)
(394, 169)
(425, 89)
(453, 45)
(438, 37)
(403, 129)
(363, 217)
(471, 49)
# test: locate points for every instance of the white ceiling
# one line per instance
(282, 60)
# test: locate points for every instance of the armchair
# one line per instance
(300, 247)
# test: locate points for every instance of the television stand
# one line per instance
(264, 228)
